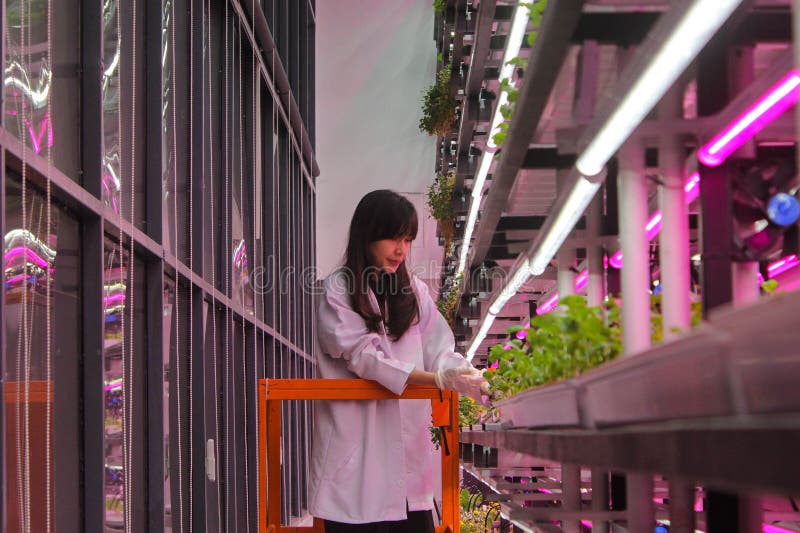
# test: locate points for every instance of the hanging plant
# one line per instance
(439, 5)
(447, 304)
(438, 106)
(440, 205)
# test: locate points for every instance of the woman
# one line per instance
(371, 466)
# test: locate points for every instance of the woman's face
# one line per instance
(387, 254)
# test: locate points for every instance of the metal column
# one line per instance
(635, 248)
(571, 495)
(674, 238)
(675, 276)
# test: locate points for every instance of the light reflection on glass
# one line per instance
(115, 286)
(29, 256)
(27, 74)
(242, 290)
(112, 164)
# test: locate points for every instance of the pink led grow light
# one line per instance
(782, 265)
(548, 305)
(772, 104)
(769, 528)
(581, 280)
(691, 191)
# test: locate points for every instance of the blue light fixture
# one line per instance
(783, 209)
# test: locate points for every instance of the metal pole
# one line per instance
(681, 506)
(571, 495)
(595, 284)
(796, 12)
(745, 275)
(635, 248)
(674, 239)
(599, 498)
(566, 254)
(641, 512)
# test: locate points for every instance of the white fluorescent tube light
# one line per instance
(476, 341)
(480, 176)
(579, 197)
(471, 218)
(513, 45)
(692, 32)
(515, 282)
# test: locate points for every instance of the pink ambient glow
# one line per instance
(548, 305)
(782, 265)
(691, 190)
(29, 254)
(772, 104)
(581, 280)
(769, 528)
(653, 227)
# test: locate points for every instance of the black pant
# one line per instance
(417, 522)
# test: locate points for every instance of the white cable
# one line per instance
(190, 366)
(129, 403)
(227, 266)
(176, 248)
(48, 301)
(240, 78)
(23, 431)
(213, 307)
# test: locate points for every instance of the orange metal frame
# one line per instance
(272, 391)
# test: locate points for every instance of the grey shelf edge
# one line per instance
(755, 453)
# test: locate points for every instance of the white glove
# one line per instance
(465, 380)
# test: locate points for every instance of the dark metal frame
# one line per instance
(255, 336)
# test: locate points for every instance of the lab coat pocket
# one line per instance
(340, 457)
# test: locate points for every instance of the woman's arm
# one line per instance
(421, 377)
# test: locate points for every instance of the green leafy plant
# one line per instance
(469, 411)
(436, 436)
(440, 205)
(438, 106)
(769, 286)
(566, 343)
(439, 5)
(535, 12)
(657, 319)
(447, 304)
(557, 346)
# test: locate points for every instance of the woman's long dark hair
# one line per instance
(381, 214)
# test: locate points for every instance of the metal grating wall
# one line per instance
(158, 212)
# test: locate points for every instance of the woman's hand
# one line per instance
(465, 380)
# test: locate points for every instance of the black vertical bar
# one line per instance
(91, 99)
(197, 429)
(715, 192)
(252, 346)
(152, 104)
(91, 132)
(3, 335)
(93, 401)
(197, 370)
(155, 393)
(716, 199)
(154, 283)
(713, 94)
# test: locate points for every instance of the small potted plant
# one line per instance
(440, 205)
(438, 106)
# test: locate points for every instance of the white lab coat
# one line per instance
(370, 458)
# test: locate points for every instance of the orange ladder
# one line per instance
(272, 391)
